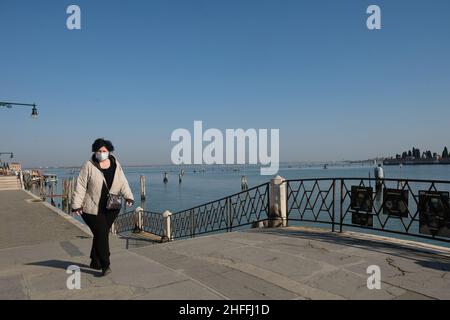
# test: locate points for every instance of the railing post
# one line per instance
(72, 186)
(21, 180)
(41, 188)
(277, 203)
(341, 204)
(334, 204)
(192, 223)
(167, 226)
(138, 218)
(113, 229)
(229, 214)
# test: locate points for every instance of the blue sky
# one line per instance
(140, 69)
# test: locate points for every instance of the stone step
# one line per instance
(14, 183)
(10, 183)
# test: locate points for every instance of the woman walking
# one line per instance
(97, 198)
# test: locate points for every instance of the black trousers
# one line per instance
(100, 226)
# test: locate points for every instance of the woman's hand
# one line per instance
(77, 212)
(129, 203)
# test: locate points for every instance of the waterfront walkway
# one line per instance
(37, 244)
(25, 220)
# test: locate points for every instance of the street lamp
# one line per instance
(4, 163)
(9, 105)
(10, 153)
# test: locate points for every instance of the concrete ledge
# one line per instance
(411, 244)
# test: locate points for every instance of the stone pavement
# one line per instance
(287, 263)
(25, 220)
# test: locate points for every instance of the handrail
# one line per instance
(377, 209)
(236, 210)
(371, 179)
(224, 198)
(311, 200)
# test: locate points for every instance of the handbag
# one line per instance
(113, 201)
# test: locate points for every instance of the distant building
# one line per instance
(415, 157)
(14, 166)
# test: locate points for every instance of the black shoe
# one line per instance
(95, 265)
(106, 271)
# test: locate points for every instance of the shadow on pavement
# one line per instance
(61, 264)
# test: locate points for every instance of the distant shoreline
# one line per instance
(345, 163)
(409, 162)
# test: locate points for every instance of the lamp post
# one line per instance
(5, 165)
(10, 153)
(2, 153)
(9, 105)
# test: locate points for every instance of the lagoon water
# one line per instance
(215, 182)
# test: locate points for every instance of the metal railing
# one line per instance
(311, 200)
(147, 221)
(125, 222)
(226, 214)
(153, 222)
(418, 208)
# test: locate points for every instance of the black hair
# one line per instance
(101, 142)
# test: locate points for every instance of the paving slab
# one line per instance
(26, 221)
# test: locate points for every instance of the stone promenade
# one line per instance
(38, 243)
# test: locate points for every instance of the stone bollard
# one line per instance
(167, 236)
(277, 203)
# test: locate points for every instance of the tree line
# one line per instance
(415, 153)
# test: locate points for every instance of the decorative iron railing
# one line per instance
(418, 208)
(311, 200)
(153, 222)
(226, 214)
(125, 222)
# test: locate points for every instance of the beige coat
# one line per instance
(89, 187)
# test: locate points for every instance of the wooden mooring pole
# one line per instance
(143, 188)
(42, 188)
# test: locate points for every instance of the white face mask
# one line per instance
(101, 156)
